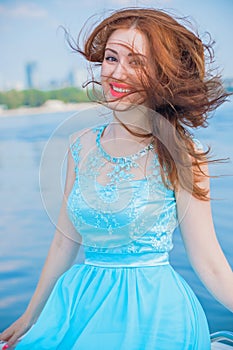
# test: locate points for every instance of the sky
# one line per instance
(29, 31)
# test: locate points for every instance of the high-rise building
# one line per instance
(30, 70)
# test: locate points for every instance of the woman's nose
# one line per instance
(120, 71)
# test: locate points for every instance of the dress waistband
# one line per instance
(126, 260)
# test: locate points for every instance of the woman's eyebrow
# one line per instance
(130, 54)
(136, 54)
(107, 48)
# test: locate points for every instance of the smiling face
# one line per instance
(124, 63)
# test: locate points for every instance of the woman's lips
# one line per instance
(119, 90)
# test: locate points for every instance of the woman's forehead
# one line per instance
(130, 39)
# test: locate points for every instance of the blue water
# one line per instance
(27, 226)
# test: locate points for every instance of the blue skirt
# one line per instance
(97, 305)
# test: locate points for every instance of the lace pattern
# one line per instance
(125, 214)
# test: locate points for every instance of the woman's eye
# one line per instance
(110, 59)
(136, 62)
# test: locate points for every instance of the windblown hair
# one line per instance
(181, 89)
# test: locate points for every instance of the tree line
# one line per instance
(36, 98)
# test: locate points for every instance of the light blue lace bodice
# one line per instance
(126, 214)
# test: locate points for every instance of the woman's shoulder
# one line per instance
(83, 140)
(85, 134)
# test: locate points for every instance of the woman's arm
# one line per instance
(60, 257)
(202, 246)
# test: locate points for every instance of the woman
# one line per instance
(129, 183)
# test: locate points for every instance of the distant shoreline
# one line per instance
(56, 108)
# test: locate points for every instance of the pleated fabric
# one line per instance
(124, 308)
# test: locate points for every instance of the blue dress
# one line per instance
(126, 295)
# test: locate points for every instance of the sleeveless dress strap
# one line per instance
(75, 148)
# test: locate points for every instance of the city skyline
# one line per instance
(73, 77)
(31, 32)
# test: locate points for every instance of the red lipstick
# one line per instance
(119, 89)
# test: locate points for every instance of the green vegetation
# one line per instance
(36, 98)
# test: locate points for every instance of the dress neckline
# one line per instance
(124, 159)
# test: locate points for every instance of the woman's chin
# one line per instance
(122, 104)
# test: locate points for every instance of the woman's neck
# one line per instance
(136, 119)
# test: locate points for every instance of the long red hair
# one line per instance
(181, 89)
